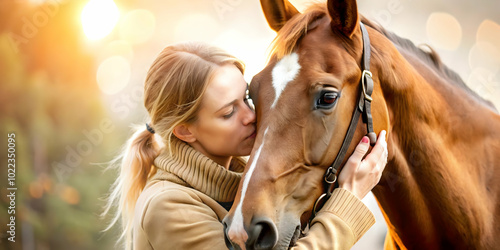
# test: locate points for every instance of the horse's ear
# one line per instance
(344, 14)
(278, 12)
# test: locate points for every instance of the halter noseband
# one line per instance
(364, 108)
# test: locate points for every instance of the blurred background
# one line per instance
(71, 76)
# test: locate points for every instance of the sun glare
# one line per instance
(99, 17)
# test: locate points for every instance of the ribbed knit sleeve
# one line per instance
(339, 224)
(353, 211)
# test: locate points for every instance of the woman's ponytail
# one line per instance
(136, 166)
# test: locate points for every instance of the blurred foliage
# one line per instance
(48, 98)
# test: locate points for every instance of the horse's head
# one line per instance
(305, 98)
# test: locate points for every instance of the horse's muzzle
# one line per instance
(262, 235)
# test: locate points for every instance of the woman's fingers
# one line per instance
(358, 154)
(360, 176)
(378, 151)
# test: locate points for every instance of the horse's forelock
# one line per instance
(289, 36)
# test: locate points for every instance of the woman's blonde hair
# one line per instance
(173, 89)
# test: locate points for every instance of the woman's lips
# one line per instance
(252, 135)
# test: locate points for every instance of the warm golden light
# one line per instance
(196, 26)
(113, 74)
(99, 17)
(137, 26)
(444, 31)
(254, 53)
(486, 52)
(70, 195)
(36, 190)
(489, 31)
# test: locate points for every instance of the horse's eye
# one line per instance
(327, 100)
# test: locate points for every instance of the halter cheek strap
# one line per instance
(363, 108)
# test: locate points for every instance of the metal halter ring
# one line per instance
(365, 73)
(316, 204)
(333, 181)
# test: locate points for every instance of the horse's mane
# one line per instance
(428, 55)
(289, 37)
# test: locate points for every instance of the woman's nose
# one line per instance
(249, 115)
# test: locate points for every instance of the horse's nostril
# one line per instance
(263, 235)
(229, 244)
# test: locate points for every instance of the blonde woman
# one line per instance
(180, 172)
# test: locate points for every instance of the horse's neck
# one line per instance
(433, 189)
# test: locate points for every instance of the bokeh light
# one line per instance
(70, 195)
(119, 48)
(137, 26)
(484, 55)
(37, 1)
(99, 18)
(196, 27)
(113, 74)
(36, 189)
(489, 31)
(486, 52)
(444, 31)
(482, 81)
(254, 56)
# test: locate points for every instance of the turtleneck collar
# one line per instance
(200, 172)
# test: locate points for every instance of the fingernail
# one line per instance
(365, 139)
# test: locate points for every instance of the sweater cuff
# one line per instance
(351, 210)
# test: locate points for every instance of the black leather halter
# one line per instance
(364, 108)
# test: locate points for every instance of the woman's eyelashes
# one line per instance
(230, 114)
(234, 108)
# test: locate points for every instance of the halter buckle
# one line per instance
(331, 175)
(366, 73)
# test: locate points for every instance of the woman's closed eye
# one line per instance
(234, 108)
(230, 113)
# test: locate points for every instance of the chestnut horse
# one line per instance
(441, 186)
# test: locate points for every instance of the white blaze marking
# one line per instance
(284, 71)
(237, 223)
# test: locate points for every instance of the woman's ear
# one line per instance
(183, 132)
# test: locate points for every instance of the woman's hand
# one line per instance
(359, 176)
